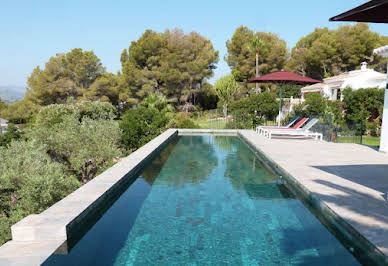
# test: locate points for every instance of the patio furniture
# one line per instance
(296, 126)
(259, 129)
(304, 132)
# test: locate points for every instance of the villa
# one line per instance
(332, 88)
(3, 125)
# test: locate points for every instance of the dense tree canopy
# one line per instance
(241, 54)
(325, 52)
(64, 76)
(172, 63)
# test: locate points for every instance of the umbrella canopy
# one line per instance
(372, 11)
(284, 77)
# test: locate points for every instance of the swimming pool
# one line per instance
(206, 200)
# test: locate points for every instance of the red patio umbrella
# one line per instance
(284, 77)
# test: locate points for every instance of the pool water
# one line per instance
(207, 200)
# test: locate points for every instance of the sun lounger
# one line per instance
(259, 129)
(305, 131)
(300, 123)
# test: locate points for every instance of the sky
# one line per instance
(34, 30)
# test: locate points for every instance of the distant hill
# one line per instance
(12, 94)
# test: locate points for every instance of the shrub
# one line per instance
(181, 120)
(30, 182)
(253, 110)
(140, 126)
(12, 133)
(93, 133)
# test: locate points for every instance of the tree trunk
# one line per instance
(225, 109)
(257, 70)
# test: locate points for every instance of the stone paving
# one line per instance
(350, 179)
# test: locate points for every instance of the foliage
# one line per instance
(65, 75)
(253, 110)
(20, 112)
(56, 113)
(324, 53)
(206, 98)
(241, 56)
(140, 125)
(3, 105)
(362, 105)
(157, 101)
(289, 90)
(30, 182)
(314, 106)
(182, 120)
(172, 63)
(93, 133)
(12, 134)
(226, 88)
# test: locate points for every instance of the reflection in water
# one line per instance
(191, 162)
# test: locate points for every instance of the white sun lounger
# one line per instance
(260, 129)
(305, 131)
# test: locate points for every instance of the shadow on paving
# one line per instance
(372, 176)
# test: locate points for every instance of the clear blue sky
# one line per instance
(33, 30)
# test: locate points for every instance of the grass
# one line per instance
(220, 124)
(366, 140)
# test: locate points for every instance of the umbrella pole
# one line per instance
(280, 104)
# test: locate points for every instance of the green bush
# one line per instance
(314, 106)
(140, 126)
(181, 120)
(12, 134)
(93, 133)
(253, 110)
(30, 182)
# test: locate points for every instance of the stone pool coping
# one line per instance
(36, 237)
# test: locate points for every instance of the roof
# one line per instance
(284, 77)
(314, 87)
(372, 11)
(363, 78)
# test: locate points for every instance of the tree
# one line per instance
(226, 88)
(65, 75)
(93, 133)
(240, 53)
(257, 44)
(172, 63)
(363, 105)
(324, 53)
(20, 112)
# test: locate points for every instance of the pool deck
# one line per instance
(349, 178)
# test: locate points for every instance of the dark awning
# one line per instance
(373, 11)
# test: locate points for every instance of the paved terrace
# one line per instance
(349, 178)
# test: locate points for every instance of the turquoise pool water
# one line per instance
(206, 200)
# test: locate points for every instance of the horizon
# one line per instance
(56, 27)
